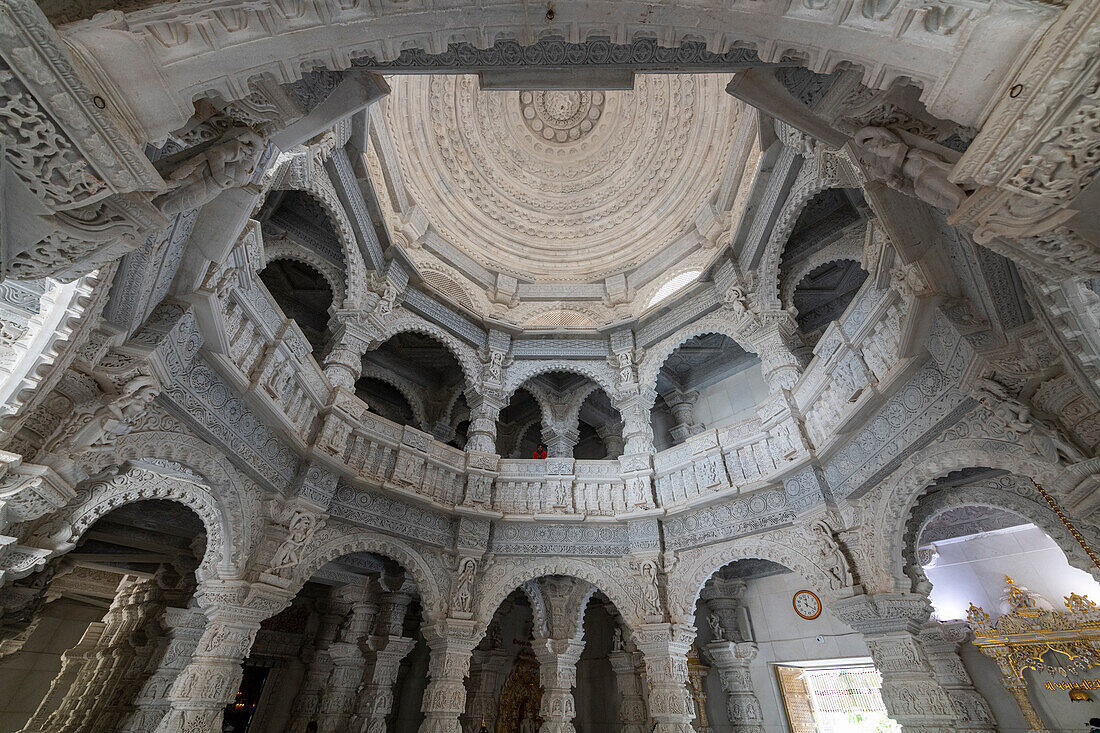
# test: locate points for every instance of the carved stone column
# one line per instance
(889, 623)
(338, 704)
(183, 628)
(103, 691)
(234, 610)
(308, 701)
(481, 436)
(632, 713)
(732, 660)
(612, 436)
(665, 648)
(771, 338)
(451, 643)
(487, 675)
(73, 663)
(941, 643)
(682, 406)
(560, 439)
(352, 337)
(558, 676)
(383, 653)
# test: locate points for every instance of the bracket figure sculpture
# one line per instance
(909, 169)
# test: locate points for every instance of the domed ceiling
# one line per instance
(557, 186)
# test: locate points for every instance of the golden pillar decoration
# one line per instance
(521, 696)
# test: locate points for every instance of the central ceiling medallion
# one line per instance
(561, 116)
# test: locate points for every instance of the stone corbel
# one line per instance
(28, 491)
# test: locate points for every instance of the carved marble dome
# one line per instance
(551, 186)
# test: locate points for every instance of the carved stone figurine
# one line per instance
(462, 598)
(198, 180)
(110, 420)
(910, 170)
(617, 639)
(714, 621)
(650, 594)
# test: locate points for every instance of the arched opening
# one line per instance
(299, 218)
(823, 295)
(568, 413)
(133, 570)
(541, 635)
(359, 617)
(986, 537)
(421, 369)
(460, 422)
(758, 624)
(386, 400)
(708, 382)
(304, 296)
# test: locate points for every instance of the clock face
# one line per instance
(807, 604)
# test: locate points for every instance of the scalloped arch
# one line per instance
(656, 355)
(403, 321)
(416, 405)
(292, 251)
(520, 371)
(330, 545)
(848, 247)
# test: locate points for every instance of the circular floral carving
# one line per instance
(561, 116)
(561, 185)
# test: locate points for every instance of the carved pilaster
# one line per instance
(912, 694)
(558, 675)
(487, 676)
(665, 648)
(732, 660)
(682, 405)
(451, 642)
(308, 700)
(348, 660)
(941, 642)
(632, 712)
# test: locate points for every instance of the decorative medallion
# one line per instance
(561, 116)
(807, 604)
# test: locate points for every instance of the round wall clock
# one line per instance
(807, 604)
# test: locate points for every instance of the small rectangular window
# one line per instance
(844, 698)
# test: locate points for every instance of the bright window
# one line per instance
(674, 286)
(834, 699)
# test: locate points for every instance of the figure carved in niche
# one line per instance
(302, 528)
(908, 169)
(617, 639)
(651, 596)
(836, 564)
(199, 179)
(111, 420)
(714, 621)
(1010, 415)
(463, 595)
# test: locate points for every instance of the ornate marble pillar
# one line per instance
(73, 663)
(665, 648)
(560, 438)
(103, 691)
(632, 713)
(890, 622)
(183, 628)
(481, 436)
(732, 660)
(234, 610)
(941, 640)
(558, 676)
(451, 642)
(682, 406)
(383, 653)
(308, 701)
(487, 675)
(352, 337)
(770, 338)
(612, 436)
(348, 660)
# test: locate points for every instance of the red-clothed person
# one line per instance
(539, 452)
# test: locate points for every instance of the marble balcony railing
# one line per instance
(855, 359)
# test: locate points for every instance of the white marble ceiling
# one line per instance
(555, 186)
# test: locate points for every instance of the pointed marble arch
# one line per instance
(519, 372)
(611, 576)
(292, 250)
(1008, 492)
(61, 531)
(794, 548)
(299, 172)
(719, 322)
(819, 172)
(404, 321)
(883, 512)
(336, 540)
(848, 247)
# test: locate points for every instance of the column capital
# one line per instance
(884, 613)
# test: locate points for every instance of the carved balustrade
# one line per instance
(272, 357)
(559, 486)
